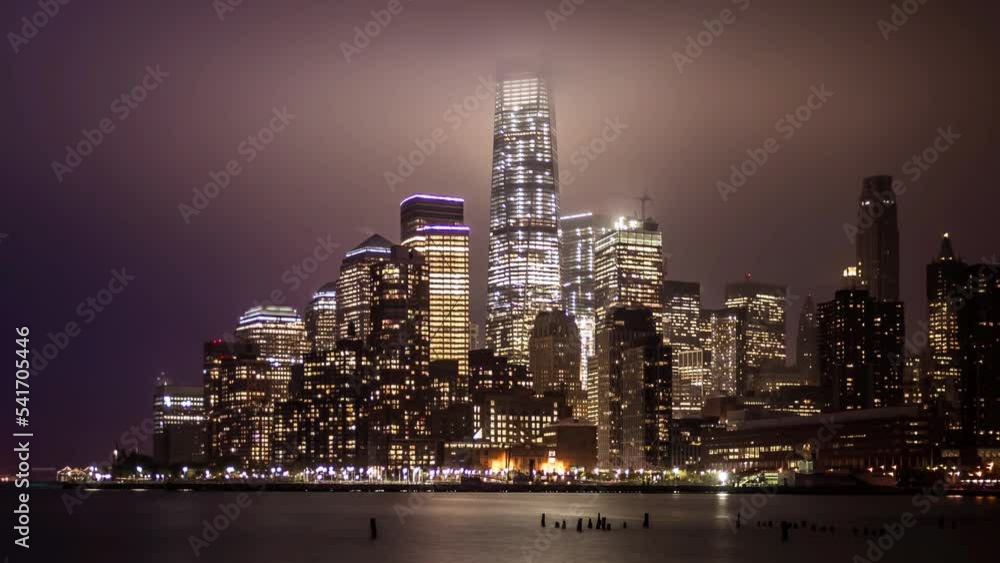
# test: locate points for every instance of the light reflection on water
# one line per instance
(444, 527)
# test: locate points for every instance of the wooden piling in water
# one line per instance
(543, 519)
(374, 529)
(645, 520)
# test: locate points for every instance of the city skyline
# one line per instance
(228, 283)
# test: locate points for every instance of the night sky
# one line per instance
(322, 175)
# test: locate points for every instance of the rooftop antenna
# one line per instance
(643, 199)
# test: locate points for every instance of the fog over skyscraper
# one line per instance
(523, 274)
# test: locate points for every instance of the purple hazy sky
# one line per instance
(323, 174)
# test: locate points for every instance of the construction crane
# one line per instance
(643, 200)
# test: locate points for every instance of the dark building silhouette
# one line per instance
(878, 238)
(620, 331)
(806, 352)
(554, 356)
(979, 341)
(489, 373)
(860, 344)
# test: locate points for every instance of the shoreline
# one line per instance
(183, 487)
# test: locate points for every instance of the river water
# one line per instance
(157, 526)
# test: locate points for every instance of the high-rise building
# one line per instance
(691, 373)
(332, 402)
(523, 277)
(765, 325)
(489, 373)
(979, 341)
(354, 290)
(805, 349)
(240, 403)
(280, 336)
(178, 425)
(421, 210)
(646, 406)
(622, 329)
(682, 315)
(554, 352)
(947, 277)
(400, 353)
(577, 234)
(877, 238)
(628, 268)
(860, 343)
(445, 248)
(321, 319)
(726, 331)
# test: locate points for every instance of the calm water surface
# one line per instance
(155, 527)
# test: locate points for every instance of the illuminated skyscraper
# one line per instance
(578, 233)
(240, 404)
(280, 336)
(682, 315)
(878, 238)
(420, 210)
(354, 287)
(947, 277)
(321, 319)
(726, 331)
(765, 325)
(554, 349)
(523, 277)
(432, 225)
(178, 425)
(628, 268)
(400, 354)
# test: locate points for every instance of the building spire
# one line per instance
(946, 253)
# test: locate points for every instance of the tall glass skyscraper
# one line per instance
(280, 334)
(432, 225)
(628, 268)
(523, 275)
(578, 233)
